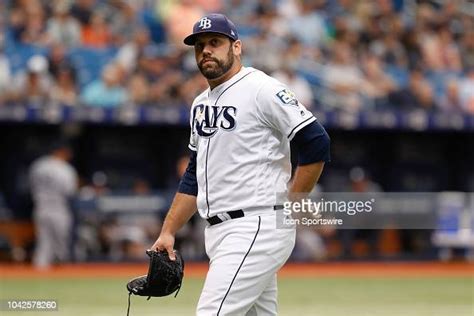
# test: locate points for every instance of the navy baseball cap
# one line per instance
(213, 23)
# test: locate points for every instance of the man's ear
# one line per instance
(237, 47)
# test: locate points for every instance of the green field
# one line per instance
(297, 296)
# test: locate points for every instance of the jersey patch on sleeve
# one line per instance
(287, 97)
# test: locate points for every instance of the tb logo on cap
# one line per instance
(204, 23)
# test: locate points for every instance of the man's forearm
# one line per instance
(306, 177)
(181, 210)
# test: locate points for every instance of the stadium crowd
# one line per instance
(334, 54)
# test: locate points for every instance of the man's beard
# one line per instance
(221, 67)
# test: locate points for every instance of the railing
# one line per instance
(417, 120)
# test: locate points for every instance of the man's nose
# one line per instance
(207, 51)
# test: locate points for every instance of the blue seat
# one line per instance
(90, 62)
(19, 54)
(398, 74)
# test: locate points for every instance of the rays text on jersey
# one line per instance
(207, 120)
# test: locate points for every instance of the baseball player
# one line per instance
(53, 182)
(241, 129)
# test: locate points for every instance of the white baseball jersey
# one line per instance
(52, 182)
(241, 131)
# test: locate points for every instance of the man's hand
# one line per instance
(181, 210)
(165, 242)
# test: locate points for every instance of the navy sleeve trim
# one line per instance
(188, 183)
(301, 125)
(313, 144)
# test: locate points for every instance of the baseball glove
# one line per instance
(164, 277)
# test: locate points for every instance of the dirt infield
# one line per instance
(418, 269)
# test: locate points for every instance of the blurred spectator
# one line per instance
(344, 32)
(418, 95)
(440, 53)
(449, 51)
(308, 26)
(269, 22)
(138, 90)
(344, 79)
(467, 49)
(425, 17)
(121, 19)
(33, 85)
(179, 19)
(82, 10)
(466, 91)
(107, 91)
(191, 87)
(17, 21)
(241, 11)
(64, 90)
(287, 8)
(34, 27)
(96, 33)
(297, 84)
(266, 62)
(165, 91)
(153, 64)
(58, 60)
(391, 50)
(450, 101)
(128, 55)
(378, 85)
(62, 27)
(355, 12)
(5, 71)
(410, 42)
(53, 182)
(210, 5)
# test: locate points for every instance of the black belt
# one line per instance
(231, 215)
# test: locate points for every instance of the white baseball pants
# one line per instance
(245, 255)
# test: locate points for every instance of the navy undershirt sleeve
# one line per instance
(188, 184)
(312, 143)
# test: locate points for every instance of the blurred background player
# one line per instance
(53, 182)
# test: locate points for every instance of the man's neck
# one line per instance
(232, 72)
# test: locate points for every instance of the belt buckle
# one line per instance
(225, 216)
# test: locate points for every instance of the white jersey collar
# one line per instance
(220, 88)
